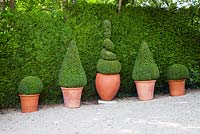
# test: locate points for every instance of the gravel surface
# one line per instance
(162, 115)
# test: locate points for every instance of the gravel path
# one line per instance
(163, 115)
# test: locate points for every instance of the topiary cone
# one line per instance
(72, 77)
(145, 72)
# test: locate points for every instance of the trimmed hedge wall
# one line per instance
(35, 42)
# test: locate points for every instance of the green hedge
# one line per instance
(35, 42)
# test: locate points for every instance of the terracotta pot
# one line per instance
(72, 97)
(107, 85)
(176, 87)
(29, 103)
(145, 89)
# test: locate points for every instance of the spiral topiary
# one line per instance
(108, 63)
(72, 73)
(177, 72)
(145, 67)
(30, 85)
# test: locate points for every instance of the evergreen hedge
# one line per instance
(34, 43)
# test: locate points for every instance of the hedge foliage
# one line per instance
(30, 85)
(177, 72)
(34, 43)
(72, 73)
(145, 67)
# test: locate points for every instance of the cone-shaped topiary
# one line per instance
(145, 67)
(72, 73)
(177, 72)
(30, 85)
(108, 63)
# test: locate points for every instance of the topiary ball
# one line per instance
(72, 73)
(145, 67)
(30, 85)
(177, 72)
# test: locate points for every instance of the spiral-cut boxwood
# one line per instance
(177, 72)
(107, 28)
(30, 85)
(107, 25)
(108, 44)
(145, 67)
(108, 63)
(107, 34)
(108, 67)
(72, 73)
(108, 55)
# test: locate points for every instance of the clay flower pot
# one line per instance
(176, 75)
(72, 77)
(176, 87)
(72, 96)
(29, 103)
(107, 85)
(145, 72)
(145, 89)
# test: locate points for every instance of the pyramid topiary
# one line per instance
(145, 67)
(177, 72)
(108, 63)
(72, 73)
(30, 85)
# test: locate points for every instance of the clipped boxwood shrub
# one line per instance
(107, 25)
(177, 72)
(108, 63)
(72, 73)
(107, 28)
(108, 44)
(145, 67)
(30, 85)
(108, 66)
(108, 55)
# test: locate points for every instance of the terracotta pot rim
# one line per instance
(29, 95)
(71, 88)
(177, 80)
(108, 74)
(144, 81)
